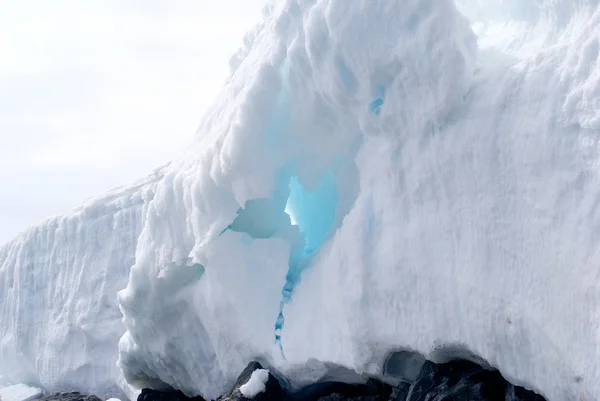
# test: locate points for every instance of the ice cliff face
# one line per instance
(59, 319)
(384, 174)
(376, 175)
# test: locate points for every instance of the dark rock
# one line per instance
(425, 383)
(317, 391)
(273, 390)
(373, 390)
(377, 388)
(464, 381)
(72, 396)
(456, 380)
(515, 393)
(155, 395)
(339, 397)
(400, 392)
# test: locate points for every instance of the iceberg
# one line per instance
(437, 162)
(376, 176)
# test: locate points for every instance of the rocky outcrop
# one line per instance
(415, 380)
(155, 395)
(72, 396)
(273, 390)
(373, 390)
(464, 380)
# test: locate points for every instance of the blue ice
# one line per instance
(375, 106)
(314, 214)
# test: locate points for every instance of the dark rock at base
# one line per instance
(400, 392)
(273, 390)
(373, 390)
(155, 395)
(318, 391)
(72, 396)
(458, 380)
(520, 394)
(339, 397)
(464, 381)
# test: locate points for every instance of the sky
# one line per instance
(96, 94)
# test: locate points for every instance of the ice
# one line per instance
(375, 176)
(60, 322)
(440, 188)
(19, 392)
(313, 212)
(256, 384)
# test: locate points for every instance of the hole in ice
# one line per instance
(260, 218)
(403, 365)
(313, 211)
(453, 352)
(314, 214)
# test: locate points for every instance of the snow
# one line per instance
(19, 392)
(442, 187)
(60, 322)
(256, 384)
(375, 176)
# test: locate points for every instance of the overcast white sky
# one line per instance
(95, 94)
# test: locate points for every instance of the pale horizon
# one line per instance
(96, 96)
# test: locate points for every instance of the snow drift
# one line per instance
(375, 176)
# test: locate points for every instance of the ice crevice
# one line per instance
(304, 218)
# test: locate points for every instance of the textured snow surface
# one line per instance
(19, 392)
(375, 176)
(59, 319)
(454, 164)
(256, 384)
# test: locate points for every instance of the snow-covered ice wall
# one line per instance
(438, 163)
(59, 319)
(376, 175)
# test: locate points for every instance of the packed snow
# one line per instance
(375, 176)
(19, 392)
(256, 384)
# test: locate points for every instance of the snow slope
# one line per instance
(379, 175)
(59, 318)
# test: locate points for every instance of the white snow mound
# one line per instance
(256, 384)
(19, 392)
